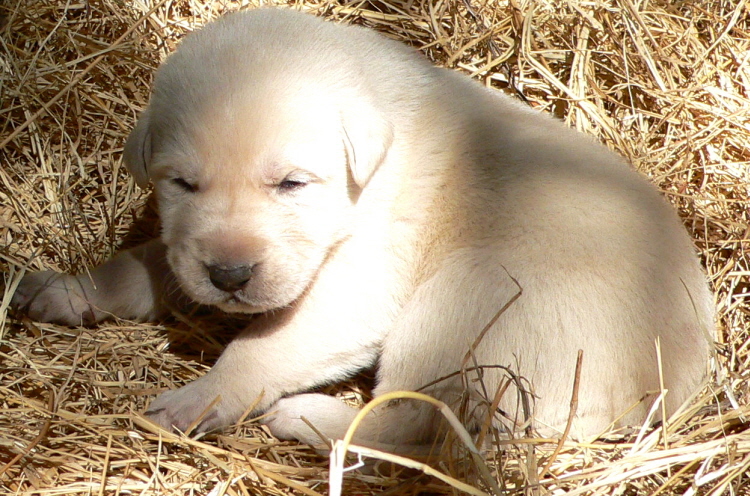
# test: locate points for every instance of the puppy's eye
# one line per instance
(289, 185)
(190, 188)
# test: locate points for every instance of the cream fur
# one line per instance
(386, 207)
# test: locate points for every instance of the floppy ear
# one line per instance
(367, 138)
(137, 152)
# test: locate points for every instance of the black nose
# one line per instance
(229, 278)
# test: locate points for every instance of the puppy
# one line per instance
(374, 209)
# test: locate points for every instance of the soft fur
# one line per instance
(384, 211)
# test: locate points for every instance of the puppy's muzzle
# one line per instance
(229, 278)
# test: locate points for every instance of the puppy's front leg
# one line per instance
(131, 285)
(277, 356)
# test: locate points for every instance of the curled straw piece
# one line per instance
(340, 447)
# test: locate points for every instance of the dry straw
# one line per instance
(666, 84)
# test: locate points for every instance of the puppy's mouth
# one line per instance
(241, 300)
(238, 303)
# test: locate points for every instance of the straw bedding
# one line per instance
(665, 84)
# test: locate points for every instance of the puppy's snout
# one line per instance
(229, 278)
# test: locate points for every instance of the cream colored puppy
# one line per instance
(374, 209)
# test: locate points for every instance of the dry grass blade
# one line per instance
(667, 85)
(338, 454)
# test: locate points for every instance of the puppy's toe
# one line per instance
(198, 407)
(327, 415)
(52, 297)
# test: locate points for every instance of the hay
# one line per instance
(665, 84)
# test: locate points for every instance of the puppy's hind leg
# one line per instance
(428, 341)
(132, 285)
(317, 419)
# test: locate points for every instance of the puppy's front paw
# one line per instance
(52, 297)
(327, 414)
(201, 403)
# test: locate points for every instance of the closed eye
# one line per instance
(289, 185)
(186, 186)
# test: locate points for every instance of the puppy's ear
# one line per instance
(367, 138)
(137, 152)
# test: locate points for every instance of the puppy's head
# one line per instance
(257, 141)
